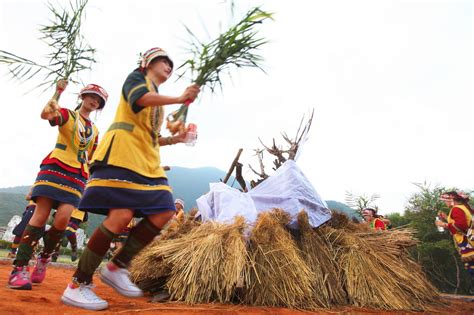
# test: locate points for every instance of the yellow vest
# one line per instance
(458, 236)
(129, 141)
(68, 143)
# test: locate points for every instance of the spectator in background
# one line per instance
(20, 228)
(371, 217)
(459, 222)
(179, 204)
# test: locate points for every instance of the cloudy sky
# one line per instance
(390, 82)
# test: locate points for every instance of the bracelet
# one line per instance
(169, 141)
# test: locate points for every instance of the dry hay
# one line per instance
(327, 283)
(147, 269)
(278, 274)
(207, 263)
(381, 275)
(340, 220)
(336, 263)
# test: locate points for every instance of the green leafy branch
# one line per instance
(70, 52)
(235, 48)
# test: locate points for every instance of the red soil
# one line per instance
(45, 299)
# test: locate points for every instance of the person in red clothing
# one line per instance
(370, 216)
(459, 220)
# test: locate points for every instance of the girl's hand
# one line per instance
(61, 85)
(190, 94)
(52, 107)
(180, 137)
(441, 223)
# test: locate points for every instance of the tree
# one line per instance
(361, 202)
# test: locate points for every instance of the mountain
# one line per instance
(16, 190)
(191, 183)
(11, 204)
(342, 207)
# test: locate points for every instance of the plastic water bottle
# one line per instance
(191, 135)
(440, 228)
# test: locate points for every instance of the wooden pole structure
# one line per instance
(231, 169)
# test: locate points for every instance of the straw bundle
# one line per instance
(207, 263)
(394, 241)
(327, 283)
(414, 283)
(340, 220)
(278, 275)
(379, 276)
(148, 269)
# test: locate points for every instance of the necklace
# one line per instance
(84, 134)
(156, 118)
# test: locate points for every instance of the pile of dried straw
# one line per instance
(336, 264)
(279, 276)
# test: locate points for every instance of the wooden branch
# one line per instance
(238, 176)
(282, 154)
(232, 166)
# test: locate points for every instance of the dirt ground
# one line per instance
(45, 299)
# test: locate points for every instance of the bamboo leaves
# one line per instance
(235, 48)
(70, 53)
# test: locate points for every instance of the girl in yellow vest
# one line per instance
(60, 182)
(127, 180)
(459, 220)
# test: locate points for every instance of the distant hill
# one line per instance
(16, 190)
(342, 207)
(11, 204)
(191, 183)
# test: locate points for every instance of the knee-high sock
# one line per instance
(92, 256)
(56, 249)
(28, 241)
(73, 240)
(15, 244)
(140, 236)
(51, 241)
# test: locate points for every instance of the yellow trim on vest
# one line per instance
(121, 126)
(62, 187)
(134, 89)
(122, 184)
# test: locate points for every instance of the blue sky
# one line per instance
(390, 81)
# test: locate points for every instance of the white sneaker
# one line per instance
(119, 279)
(83, 297)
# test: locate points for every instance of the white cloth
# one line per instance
(288, 189)
(222, 203)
